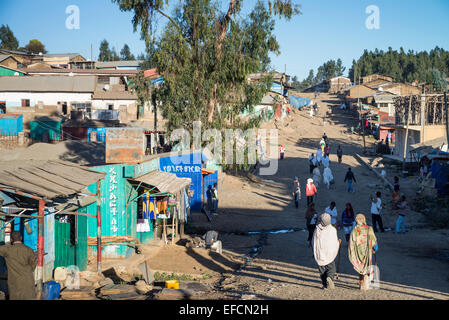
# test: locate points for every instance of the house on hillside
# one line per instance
(62, 59)
(7, 60)
(376, 76)
(8, 71)
(24, 58)
(331, 85)
(426, 122)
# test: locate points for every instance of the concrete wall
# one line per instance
(103, 104)
(14, 99)
(413, 138)
(434, 132)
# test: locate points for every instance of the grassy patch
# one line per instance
(158, 276)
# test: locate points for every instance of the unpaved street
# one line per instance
(412, 265)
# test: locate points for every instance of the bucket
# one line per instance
(51, 290)
(172, 284)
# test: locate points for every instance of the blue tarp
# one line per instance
(300, 102)
(440, 173)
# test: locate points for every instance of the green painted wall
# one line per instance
(7, 72)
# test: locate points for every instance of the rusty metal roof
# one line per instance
(46, 179)
(164, 181)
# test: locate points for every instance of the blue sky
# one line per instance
(327, 29)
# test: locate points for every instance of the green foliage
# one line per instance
(35, 46)
(105, 52)
(402, 66)
(329, 69)
(7, 39)
(125, 54)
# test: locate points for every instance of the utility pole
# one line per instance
(406, 133)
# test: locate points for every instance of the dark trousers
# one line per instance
(282, 155)
(327, 271)
(311, 229)
(339, 159)
(311, 167)
(377, 219)
(309, 200)
(296, 199)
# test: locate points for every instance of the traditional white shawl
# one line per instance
(325, 243)
(327, 175)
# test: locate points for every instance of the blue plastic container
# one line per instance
(51, 290)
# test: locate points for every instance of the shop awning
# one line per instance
(46, 179)
(164, 181)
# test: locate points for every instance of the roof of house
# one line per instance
(4, 57)
(114, 95)
(48, 84)
(98, 72)
(61, 55)
(46, 179)
(19, 52)
(88, 123)
(164, 181)
(13, 69)
(114, 64)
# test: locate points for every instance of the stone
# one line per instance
(142, 287)
(172, 294)
(106, 282)
(91, 276)
(60, 274)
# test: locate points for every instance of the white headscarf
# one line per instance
(325, 241)
(327, 175)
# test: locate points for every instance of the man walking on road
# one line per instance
(296, 191)
(325, 250)
(376, 209)
(350, 177)
(21, 262)
(339, 154)
(310, 191)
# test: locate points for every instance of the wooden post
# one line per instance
(99, 227)
(406, 133)
(40, 248)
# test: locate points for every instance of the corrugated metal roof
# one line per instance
(4, 57)
(48, 84)
(114, 64)
(46, 179)
(164, 181)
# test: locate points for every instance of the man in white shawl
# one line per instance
(319, 156)
(325, 249)
(327, 177)
(316, 176)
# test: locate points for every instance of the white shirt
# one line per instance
(376, 206)
(333, 214)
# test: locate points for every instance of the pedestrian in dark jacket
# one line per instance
(350, 177)
(21, 262)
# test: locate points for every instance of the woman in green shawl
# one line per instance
(362, 244)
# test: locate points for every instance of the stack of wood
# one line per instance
(92, 241)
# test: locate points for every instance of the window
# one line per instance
(25, 102)
(86, 108)
(110, 107)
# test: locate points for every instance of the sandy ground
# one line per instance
(412, 265)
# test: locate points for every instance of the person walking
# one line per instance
(310, 191)
(21, 262)
(328, 178)
(282, 151)
(215, 199)
(311, 216)
(319, 157)
(376, 209)
(325, 138)
(325, 250)
(339, 154)
(396, 184)
(325, 161)
(401, 207)
(347, 220)
(332, 211)
(327, 150)
(296, 191)
(362, 245)
(317, 176)
(322, 144)
(349, 178)
(209, 198)
(312, 162)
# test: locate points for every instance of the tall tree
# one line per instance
(7, 39)
(125, 54)
(114, 55)
(105, 52)
(35, 46)
(197, 73)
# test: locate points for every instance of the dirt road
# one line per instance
(412, 265)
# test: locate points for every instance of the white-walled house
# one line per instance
(67, 93)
